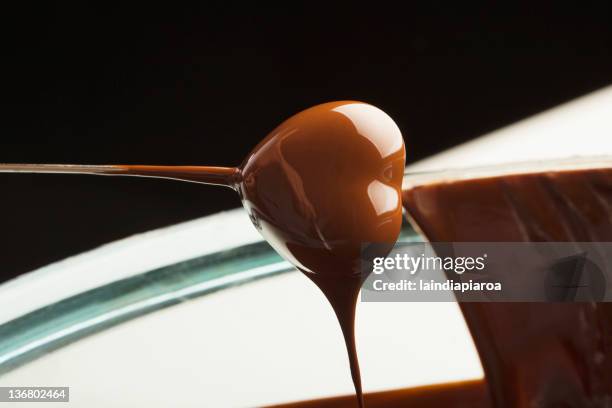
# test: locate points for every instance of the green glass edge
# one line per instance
(59, 324)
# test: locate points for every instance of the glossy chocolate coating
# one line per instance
(318, 187)
(324, 182)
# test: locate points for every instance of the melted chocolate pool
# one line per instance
(534, 354)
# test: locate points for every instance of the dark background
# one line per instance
(203, 86)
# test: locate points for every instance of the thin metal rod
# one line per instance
(224, 176)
